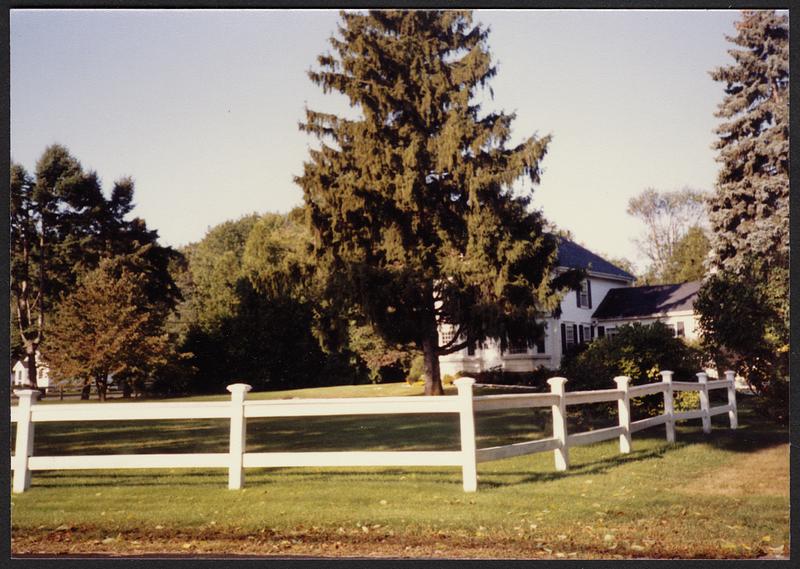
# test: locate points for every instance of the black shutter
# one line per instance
(578, 298)
(575, 333)
(580, 334)
(591, 331)
(589, 290)
(563, 338)
(601, 331)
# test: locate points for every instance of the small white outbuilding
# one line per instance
(19, 374)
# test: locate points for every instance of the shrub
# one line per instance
(638, 351)
(448, 379)
(417, 370)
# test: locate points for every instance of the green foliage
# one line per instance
(744, 307)
(62, 226)
(386, 362)
(414, 218)
(107, 325)
(668, 218)
(417, 370)
(687, 262)
(638, 351)
(744, 329)
(749, 212)
(685, 400)
(252, 309)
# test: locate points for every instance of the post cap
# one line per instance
(665, 373)
(464, 381)
(730, 374)
(239, 388)
(622, 381)
(21, 392)
(702, 376)
(557, 381)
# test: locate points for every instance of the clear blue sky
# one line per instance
(201, 107)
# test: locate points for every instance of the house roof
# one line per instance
(640, 301)
(573, 256)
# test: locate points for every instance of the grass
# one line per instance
(661, 500)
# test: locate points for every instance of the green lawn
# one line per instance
(718, 495)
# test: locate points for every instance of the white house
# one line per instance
(606, 300)
(19, 374)
(671, 304)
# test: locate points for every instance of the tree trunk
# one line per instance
(87, 390)
(32, 379)
(433, 379)
(101, 388)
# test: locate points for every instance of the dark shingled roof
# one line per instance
(573, 256)
(640, 301)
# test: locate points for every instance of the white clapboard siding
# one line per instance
(106, 461)
(353, 458)
(350, 406)
(595, 436)
(513, 401)
(687, 386)
(130, 411)
(516, 449)
(641, 390)
(647, 423)
(693, 414)
(597, 396)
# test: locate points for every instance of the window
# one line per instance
(518, 347)
(611, 332)
(446, 334)
(569, 334)
(681, 330)
(471, 349)
(587, 333)
(541, 344)
(584, 295)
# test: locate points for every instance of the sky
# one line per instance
(202, 107)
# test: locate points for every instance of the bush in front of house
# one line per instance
(638, 351)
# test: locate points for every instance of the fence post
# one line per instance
(466, 415)
(557, 387)
(733, 414)
(705, 406)
(238, 435)
(669, 408)
(624, 408)
(24, 443)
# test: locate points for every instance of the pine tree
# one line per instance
(61, 227)
(750, 211)
(412, 206)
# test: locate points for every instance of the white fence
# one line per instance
(465, 404)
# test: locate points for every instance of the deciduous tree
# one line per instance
(667, 216)
(413, 206)
(108, 326)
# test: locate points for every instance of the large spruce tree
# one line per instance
(749, 212)
(744, 305)
(412, 205)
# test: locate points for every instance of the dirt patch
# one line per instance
(765, 472)
(76, 541)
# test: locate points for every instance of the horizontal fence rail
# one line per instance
(26, 414)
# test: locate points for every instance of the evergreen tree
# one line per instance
(744, 307)
(412, 206)
(61, 227)
(749, 212)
